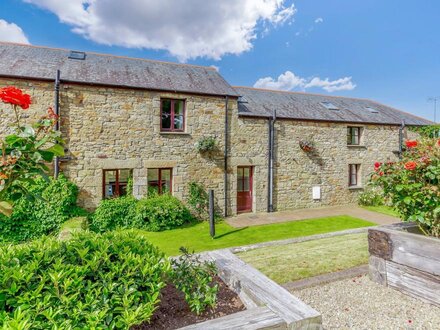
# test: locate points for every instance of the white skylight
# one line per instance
(329, 106)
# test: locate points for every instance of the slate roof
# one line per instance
(17, 60)
(303, 106)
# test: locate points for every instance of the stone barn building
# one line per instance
(124, 117)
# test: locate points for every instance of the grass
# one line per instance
(196, 236)
(292, 262)
(382, 209)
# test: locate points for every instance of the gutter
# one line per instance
(270, 178)
(57, 123)
(226, 155)
(402, 127)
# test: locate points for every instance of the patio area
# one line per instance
(255, 219)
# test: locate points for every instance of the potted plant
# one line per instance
(306, 145)
(206, 144)
(406, 256)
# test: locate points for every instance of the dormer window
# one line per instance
(329, 106)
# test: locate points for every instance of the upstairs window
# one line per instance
(115, 183)
(172, 115)
(353, 175)
(159, 180)
(354, 136)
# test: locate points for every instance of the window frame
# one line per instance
(117, 184)
(173, 101)
(357, 168)
(350, 135)
(159, 178)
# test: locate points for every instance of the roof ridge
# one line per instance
(304, 93)
(108, 55)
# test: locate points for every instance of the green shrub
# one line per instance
(195, 279)
(198, 200)
(162, 212)
(372, 196)
(93, 281)
(42, 215)
(114, 213)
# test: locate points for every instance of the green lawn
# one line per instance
(196, 237)
(285, 263)
(382, 209)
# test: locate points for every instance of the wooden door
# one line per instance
(244, 189)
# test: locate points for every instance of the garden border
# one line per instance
(269, 306)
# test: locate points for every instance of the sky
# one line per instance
(388, 51)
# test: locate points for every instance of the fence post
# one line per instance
(211, 213)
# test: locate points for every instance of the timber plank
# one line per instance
(414, 282)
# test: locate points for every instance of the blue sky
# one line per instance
(388, 51)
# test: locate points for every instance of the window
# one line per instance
(329, 106)
(353, 175)
(172, 115)
(372, 110)
(354, 136)
(159, 180)
(115, 183)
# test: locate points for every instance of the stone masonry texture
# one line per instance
(116, 128)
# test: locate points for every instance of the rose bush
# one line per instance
(25, 153)
(413, 184)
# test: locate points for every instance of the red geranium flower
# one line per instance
(410, 165)
(411, 143)
(15, 96)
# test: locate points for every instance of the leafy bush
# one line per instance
(43, 215)
(371, 196)
(114, 213)
(431, 131)
(413, 184)
(206, 144)
(198, 200)
(195, 279)
(108, 281)
(162, 212)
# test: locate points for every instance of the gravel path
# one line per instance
(358, 303)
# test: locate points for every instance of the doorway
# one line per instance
(244, 189)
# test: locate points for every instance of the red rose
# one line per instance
(410, 165)
(377, 165)
(15, 96)
(411, 144)
(438, 142)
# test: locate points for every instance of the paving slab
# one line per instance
(263, 218)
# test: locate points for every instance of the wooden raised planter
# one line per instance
(268, 305)
(404, 259)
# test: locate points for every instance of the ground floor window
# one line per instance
(353, 175)
(160, 180)
(115, 182)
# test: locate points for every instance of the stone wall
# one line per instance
(296, 171)
(112, 128)
(115, 128)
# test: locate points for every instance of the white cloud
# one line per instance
(217, 68)
(289, 81)
(186, 29)
(319, 20)
(12, 33)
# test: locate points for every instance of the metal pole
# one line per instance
(271, 160)
(211, 214)
(57, 124)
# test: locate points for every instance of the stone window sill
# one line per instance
(355, 188)
(175, 133)
(356, 146)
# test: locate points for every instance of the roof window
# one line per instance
(372, 110)
(75, 55)
(329, 106)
